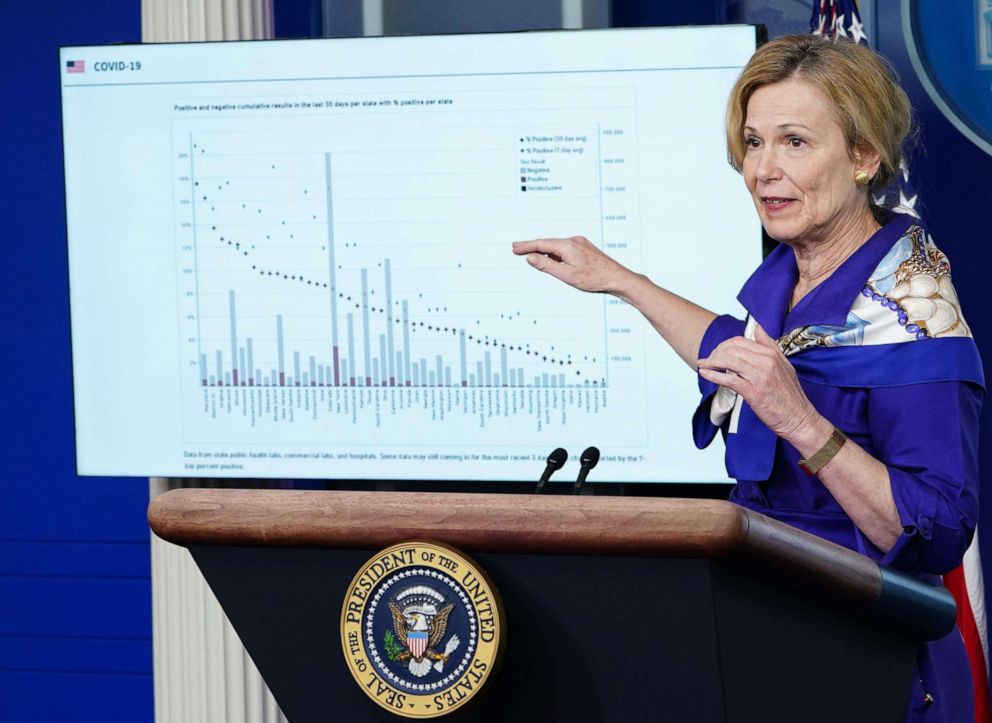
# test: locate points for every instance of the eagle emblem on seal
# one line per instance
(420, 620)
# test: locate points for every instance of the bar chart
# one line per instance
(353, 280)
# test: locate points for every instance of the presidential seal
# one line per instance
(421, 629)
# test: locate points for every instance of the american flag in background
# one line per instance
(75, 66)
(840, 19)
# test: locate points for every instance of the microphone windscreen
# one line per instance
(590, 457)
(557, 458)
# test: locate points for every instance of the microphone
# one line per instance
(588, 460)
(556, 460)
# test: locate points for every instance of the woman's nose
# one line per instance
(768, 167)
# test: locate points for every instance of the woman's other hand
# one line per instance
(576, 261)
(759, 372)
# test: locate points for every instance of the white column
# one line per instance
(201, 670)
(174, 21)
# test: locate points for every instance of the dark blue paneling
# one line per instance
(110, 656)
(63, 606)
(59, 698)
(635, 13)
(114, 559)
(75, 606)
(297, 18)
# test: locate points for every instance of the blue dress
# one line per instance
(882, 351)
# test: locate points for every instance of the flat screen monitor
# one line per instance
(292, 259)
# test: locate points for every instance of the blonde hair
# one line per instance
(872, 110)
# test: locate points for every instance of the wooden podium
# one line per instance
(617, 608)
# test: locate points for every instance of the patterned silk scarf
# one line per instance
(909, 297)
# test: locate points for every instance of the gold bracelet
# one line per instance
(824, 454)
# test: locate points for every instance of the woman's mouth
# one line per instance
(774, 204)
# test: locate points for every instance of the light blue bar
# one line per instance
(423, 372)
(332, 271)
(306, 379)
(234, 333)
(366, 334)
(384, 364)
(220, 365)
(275, 378)
(513, 377)
(479, 377)
(489, 369)
(393, 371)
(406, 342)
(258, 377)
(203, 367)
(251, 360)
(375, 372)
(213, 380)
(439, 369)
(242, 381)
(554, 381)
(351, 350)
(521, 379)
(561, 380)
(496, 380)
(313, 369)
(464, 358)
(545, 381)
(282, 365)
(503, 365)
(416, 375)
(537, 381)
(432, 375)
(471, 380)
(296, 367)
(227, 379)
(400, 379)
(447, 376)
(320, 375)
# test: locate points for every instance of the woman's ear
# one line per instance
(867, 159)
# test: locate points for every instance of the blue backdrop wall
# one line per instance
(75, 589)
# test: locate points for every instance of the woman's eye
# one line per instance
(751, 142)
(796, 142)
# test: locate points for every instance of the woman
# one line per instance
(849, 399)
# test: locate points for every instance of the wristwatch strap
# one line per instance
(824, 454)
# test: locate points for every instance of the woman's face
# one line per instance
(797, 166)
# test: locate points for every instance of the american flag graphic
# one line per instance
(75, 66)
(840, 19)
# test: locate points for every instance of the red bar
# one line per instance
(282, 379)
(204, 382)
(234, 377)
(368, 381)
